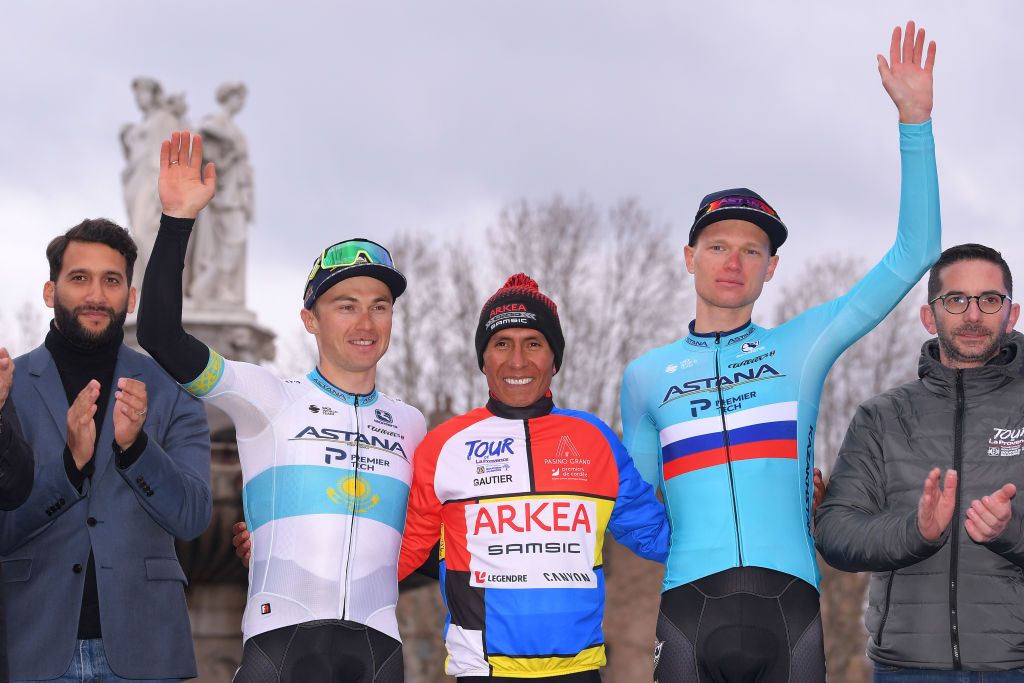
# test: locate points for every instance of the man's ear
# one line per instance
(928, 319)
(49, 292)
(309, 321)
(773, 263)
(132, 299)
(1011, 320)
(688, 253)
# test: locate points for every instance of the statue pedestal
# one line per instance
(229, 329)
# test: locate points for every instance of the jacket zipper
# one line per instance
(352, 513)
(954, 535)
(725, 441)
(885, 612)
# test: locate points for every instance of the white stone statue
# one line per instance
(141, 145)
(218, 259)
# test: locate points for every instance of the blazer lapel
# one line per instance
(51, 390)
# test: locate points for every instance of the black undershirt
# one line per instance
(77, 366)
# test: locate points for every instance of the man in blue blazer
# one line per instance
(91, 580)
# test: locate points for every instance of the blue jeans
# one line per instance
(894, 674)
(89, 665)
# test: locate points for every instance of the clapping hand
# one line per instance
(988, 517)
(935, 508)
(6, 375)
(130, 409)
(905, 78)
(82, 426)
(184, 189)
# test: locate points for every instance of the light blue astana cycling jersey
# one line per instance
(724, 422)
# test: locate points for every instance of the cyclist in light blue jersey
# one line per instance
(723, 419)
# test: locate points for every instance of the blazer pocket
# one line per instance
(163, 569)
(16, 570)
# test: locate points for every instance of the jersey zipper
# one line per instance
(725, 441)
(352, 512)
(954, 532)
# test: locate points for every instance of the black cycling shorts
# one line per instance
(742, 625)
(328, 651)
(581, 677)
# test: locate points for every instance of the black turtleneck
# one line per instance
(77, 365)
(541, 407)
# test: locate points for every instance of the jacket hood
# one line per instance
(1006, 366)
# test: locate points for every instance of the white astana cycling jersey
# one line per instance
(325, 484)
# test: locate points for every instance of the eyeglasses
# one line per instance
(958, 303)
(351, 253)
(735, 201)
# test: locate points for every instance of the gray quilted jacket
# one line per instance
(953, 603)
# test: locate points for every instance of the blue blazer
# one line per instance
(128, 517)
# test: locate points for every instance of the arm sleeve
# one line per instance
(171, 479)
(423, 520)
(853, 528)
(1010, 543)
(846, 319)
(51, 495)
(639, 433)
(16, 460)
(160, 332)
(638, 520)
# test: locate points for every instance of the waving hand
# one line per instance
(905, 78)
(184, 190)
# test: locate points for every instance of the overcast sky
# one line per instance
(373, 118)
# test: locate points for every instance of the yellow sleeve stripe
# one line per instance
(208, 378)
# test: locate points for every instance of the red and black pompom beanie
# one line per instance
(520, 303)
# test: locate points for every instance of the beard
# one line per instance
(77, 334)
(981, 354)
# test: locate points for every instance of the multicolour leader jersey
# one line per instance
(724, 423)
(522, 498)
(325, 483)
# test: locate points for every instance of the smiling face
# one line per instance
(91, 296)
(730, 263)
(972, 338)
(519, 365)
(352, 325)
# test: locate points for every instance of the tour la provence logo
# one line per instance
(1006, 442)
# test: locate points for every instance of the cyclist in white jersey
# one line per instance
(326, 458)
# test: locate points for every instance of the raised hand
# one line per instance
(905, 78)
(988, 517)
(243, 546)
(184, 190)
(129, 411)
(81, 427)
(935, 509)
(6, 375)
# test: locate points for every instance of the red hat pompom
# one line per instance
(522, 280)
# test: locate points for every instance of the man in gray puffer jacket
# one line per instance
(947, 589)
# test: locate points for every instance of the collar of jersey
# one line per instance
(541, 407)
(706, 340)
(321, 383)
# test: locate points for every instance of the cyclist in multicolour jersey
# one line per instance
(723, 419)
(326, 458)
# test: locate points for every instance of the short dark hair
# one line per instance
(96, 230)
(967, 252)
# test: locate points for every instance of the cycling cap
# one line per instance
(741, 204)
(352, 258)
